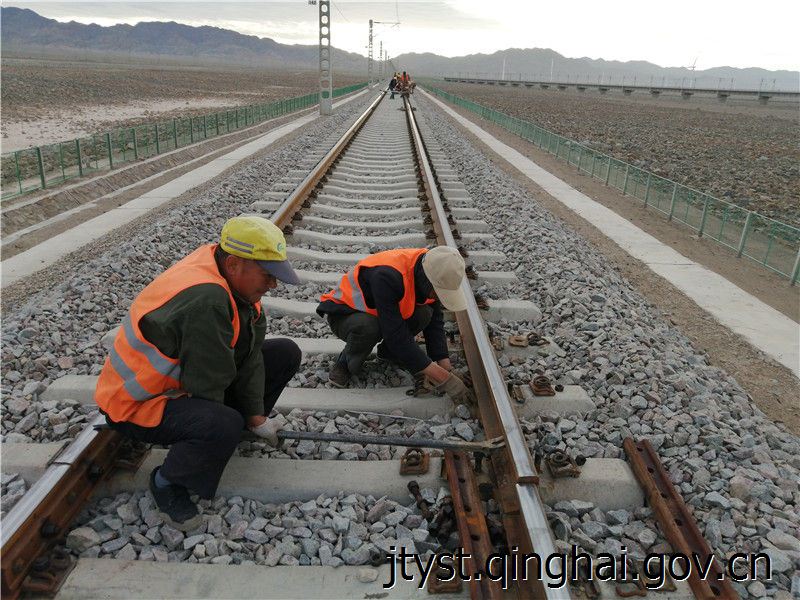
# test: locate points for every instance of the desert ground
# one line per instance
(740, 151)
(47, 101)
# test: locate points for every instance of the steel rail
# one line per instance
(497, 411)
(39, 519)
(283, 215)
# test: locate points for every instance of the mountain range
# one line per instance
(25, 31)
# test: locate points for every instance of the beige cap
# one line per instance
(444, 268)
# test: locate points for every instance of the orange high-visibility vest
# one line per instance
(137, 378)
(403, 260)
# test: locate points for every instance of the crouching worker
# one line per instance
(190, 366)
(388, 298)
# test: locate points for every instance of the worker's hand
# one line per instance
(455, 388)
(445, 364)
(268, 430)
(435, 373)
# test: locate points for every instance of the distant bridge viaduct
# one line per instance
(686, 92)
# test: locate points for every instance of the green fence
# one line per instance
(40, 167)
(770, 243)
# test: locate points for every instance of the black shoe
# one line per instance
(176, 507)
(339, 376)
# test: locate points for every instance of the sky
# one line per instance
(677, 33)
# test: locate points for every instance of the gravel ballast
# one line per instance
(346, 529)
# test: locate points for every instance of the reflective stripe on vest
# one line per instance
(162, 365)
(137, 378)
(403, 260)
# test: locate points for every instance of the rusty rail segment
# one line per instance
(283, 216)
(524, 515)
(675, 521)
(471, 524)
(41, 518)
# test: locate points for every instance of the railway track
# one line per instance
(324, 515)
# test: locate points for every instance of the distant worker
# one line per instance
(392, 85)
(389, 297)
(190, 366)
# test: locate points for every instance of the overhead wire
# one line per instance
(336, 6)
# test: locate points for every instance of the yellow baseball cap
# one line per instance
(258, 239)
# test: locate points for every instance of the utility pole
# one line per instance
(380, 62)
(325, 71)
(369, 55)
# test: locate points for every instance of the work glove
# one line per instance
(455, 388)
(268, 430)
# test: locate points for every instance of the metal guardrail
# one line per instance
(769, 242)
(39, 167)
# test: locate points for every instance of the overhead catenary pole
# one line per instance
(380, 61)
(325, 65)
(369, 54)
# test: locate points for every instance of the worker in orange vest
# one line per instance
(389, 297)
(190, 367)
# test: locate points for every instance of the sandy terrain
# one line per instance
(741, 151)
(48, 101)
(65, 124)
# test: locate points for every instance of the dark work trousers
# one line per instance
(360, 332)
(202, 434)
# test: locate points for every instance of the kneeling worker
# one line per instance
(190, 366)
(389, 297)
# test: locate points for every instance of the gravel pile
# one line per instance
(12, 488)
(58, 332)
(319, 267)
(593, 530)
(367, 230)
(346, 529)
(29, 420)
(341, 202)
(369, 248)
(745, 154)
(367, 220)
(731, 463)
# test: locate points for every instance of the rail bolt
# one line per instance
(49, 529)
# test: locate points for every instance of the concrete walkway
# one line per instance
(103, 578)
(765, 328)
(47, 253)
